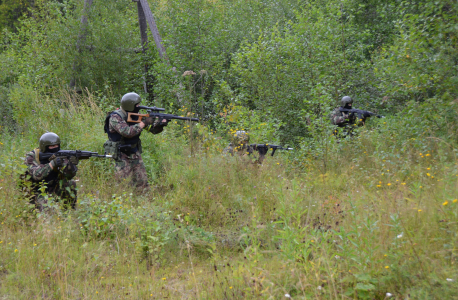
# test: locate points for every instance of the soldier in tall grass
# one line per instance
(346, 120)
(239, 145)
(49, 177)
(124, 141)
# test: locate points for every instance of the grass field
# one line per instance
(375, 218)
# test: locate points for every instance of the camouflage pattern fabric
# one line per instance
(56, 181)
(229, 149)
(118, 124)
(338, 118)
(132, 165)
(129, 165)
(69, 198)
(241, 149)
(244, 150)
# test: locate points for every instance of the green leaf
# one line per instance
(364, 287)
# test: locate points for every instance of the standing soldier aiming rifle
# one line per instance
(124, 142)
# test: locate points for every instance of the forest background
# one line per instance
(372, 217)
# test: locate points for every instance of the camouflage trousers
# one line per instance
(132, 166)
(66, 191)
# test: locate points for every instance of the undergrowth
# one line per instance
(377, 214)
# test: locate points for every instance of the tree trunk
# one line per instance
(81, 39)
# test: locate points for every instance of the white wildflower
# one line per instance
(319, 287)
(449, 279)
(287, 295)
(399, 236)
(389, 295)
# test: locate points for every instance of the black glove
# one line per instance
(149, 121)
(74, 160)
(162, 123)
(57, 162)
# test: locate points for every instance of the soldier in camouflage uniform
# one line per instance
(240, 146)
(348, 121)
(50, 177)
(124, 141)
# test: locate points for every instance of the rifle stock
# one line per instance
(139, 119)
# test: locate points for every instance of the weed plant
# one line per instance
(381, 218)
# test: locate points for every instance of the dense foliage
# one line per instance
(368, 217)
(275, 59)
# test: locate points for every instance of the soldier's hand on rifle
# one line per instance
(56, 163)
(74, 160)
(149, 121)
(163, 123)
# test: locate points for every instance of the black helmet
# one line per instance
(129, 101)
(48, 139)
(346, 100)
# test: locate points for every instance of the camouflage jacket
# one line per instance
(338, 118)
(39, 172)
(240, 150)
(118, 124)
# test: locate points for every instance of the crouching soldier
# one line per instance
(49, 176)
(345, 120)
(239, 145)
(124, 142)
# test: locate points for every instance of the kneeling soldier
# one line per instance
(56, 174)
(124, 141)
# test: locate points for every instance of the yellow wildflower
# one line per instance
(387, 267)
(388, 184)
(454, 201)
(445, 203)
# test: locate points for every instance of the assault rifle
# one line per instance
(362, 114)
(153, 112)
(263, 148)
(80, 154)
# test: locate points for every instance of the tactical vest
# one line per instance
(115, 139)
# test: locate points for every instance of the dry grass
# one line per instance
(222, 228)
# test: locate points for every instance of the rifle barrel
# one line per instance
(170, 117)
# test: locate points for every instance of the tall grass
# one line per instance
(382, 219)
